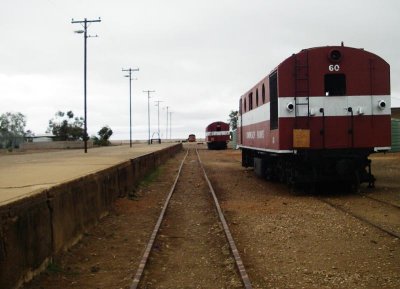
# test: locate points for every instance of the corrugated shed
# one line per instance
(395, 135)
(234, 139)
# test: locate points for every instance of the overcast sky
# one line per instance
(199, 56)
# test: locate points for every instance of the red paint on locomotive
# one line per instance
(339, 95)
(217, 135)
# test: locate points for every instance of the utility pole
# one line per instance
(166, 127)
(130, 101)
(148, 110)
(85, 36)
(170, 125)
(158, 118)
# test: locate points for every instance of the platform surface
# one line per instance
(26, 174)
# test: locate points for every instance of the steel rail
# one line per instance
(360, 218)
(379, 200)
(143, 262)
(239, 263)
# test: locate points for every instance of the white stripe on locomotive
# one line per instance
(332, 105)
(213, 133)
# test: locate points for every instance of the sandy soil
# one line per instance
(285, 240)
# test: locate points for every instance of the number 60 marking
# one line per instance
(335, 67)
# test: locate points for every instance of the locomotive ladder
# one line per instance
(301, 87)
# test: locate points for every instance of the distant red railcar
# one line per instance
(217, 135)
(192, 138)
(317, 117)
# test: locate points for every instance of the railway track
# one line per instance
(377, 213)
(380, 200)
(191, 244)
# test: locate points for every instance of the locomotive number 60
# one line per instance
(334, 67)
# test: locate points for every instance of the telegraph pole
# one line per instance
(148, 110)
(158, 118)
(85, 36)
(170, 125)
(166, 127)
(130, 101)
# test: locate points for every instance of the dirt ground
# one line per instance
(285, 240)
(296, 241)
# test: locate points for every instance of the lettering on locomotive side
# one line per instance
(251, 135)
(255, 134)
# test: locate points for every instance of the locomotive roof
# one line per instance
(328, 48)
(362, 50)
(223, 122)
(217, 122)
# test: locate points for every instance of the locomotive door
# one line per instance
(337, 114)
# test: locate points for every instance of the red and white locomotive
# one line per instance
(217, 135)
(192, 138)
(317, 117)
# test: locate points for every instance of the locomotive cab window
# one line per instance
(263, 94)
(250, 101)
(256, 97)
(335, 84)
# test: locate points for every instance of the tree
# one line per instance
(12, 124)
(29, 133)
(233, 119)
(66, 127)
(12, 129)
(104, 135)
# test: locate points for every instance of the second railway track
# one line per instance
(377, 213)
(191, 245)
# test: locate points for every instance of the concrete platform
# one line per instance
(24, 175)
(49, 200)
